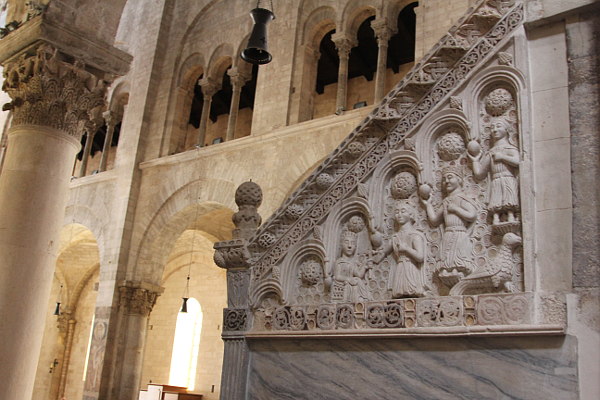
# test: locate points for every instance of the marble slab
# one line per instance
(445, 368)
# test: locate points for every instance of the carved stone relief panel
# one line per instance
(414, 221)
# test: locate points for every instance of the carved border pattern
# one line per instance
(450, 311)
(235, 319)
(276, 236)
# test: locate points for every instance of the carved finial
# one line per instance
(248, 197)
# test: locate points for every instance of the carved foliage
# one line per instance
(48, 91)
(440, 312)
(234, 319)
(135, 300)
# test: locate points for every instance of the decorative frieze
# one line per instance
(49, 91)
(416, 314)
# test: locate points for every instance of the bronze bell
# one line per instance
(256, 51)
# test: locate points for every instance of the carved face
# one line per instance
(451, 182)
(402, 215)
(499, 130)
(348, 246)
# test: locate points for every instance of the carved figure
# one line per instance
(502, 162)
(348, 282)
(407, 276)
(457, 213)
(498, 273)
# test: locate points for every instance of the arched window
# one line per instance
(186, 343)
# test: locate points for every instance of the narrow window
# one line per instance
(186, 344)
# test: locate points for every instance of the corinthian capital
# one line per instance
(49, 91)
(138, 298)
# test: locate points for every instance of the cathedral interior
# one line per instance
(402, 203)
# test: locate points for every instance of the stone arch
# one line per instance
(174, 216)
(317, 24)
(73, 301)
(85, 217)
(268, 288)
(183, 91)
(220, 60)
(354, 15)
(312, 29)
(394, 9)
(436, 125)
(190, 70)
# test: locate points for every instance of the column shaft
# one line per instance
(33, 195)
(342, 88)
(111, 122)
(89, 138)
(343, 45)
(383, 33)
(204, 120)
(381, 69)
(233, 112)
(64, 369)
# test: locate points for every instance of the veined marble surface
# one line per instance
(390, 369)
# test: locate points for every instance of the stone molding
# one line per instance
(138, 298)
(48, 91)
(105, 60)
(496, 314)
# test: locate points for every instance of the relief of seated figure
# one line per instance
(347, 282)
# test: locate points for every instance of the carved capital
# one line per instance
(112, 118)
(238, 79)
(343, 44)
(209, 87)
(232, 254)
(46, 90)
(138, 298)
(382, 30)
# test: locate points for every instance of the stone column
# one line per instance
(51, 99)
(305, 97)
(209, 88)
(90, 129)
(343, 45)
(237, 82)
(111, 118)
(65, 319)
(383, 34)
(136, 300)
(237, 318)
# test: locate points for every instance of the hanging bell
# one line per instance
(57, 309)
(256, 51)
(184, 305)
